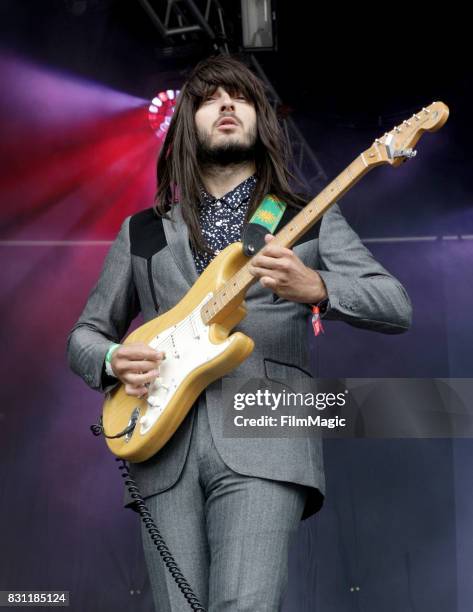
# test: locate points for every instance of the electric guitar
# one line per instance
(196, 334)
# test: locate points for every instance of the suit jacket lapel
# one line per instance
(177, 237)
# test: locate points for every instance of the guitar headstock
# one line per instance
(396, 146)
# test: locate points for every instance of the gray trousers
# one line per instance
(229, 533)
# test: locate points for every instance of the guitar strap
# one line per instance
(264, 220)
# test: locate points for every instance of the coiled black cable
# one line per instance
(157, 538)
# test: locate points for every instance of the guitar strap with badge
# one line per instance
(265, 219)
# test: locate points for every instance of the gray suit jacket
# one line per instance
(136, 277)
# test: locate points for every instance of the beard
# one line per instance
(226, 153)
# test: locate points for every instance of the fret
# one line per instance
(336, 189)
(282, 234)
(348, 171)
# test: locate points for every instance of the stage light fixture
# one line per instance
(257, 17)
(160, 111)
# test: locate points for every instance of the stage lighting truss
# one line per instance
(160, 111)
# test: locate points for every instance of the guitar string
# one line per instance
(183, 325)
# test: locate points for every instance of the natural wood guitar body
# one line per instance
(199, 363)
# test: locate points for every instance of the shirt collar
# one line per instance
(234, 198)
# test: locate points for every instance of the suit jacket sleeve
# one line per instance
(112, 305)
(360, 291)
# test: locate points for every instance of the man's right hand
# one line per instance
(136, 365)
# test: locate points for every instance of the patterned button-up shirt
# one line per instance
(221, 219)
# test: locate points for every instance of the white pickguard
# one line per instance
(187, 346)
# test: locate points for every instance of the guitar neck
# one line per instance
(234, 290)
(316, 208)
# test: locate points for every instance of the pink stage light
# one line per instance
(160, 111)
(76, 158)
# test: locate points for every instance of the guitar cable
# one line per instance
(153, 530)
(98, 429)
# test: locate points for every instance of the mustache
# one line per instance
(227, 117)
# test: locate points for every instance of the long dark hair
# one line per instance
(178, 171)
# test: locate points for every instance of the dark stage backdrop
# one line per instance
(77, 156)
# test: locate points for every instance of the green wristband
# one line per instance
(108, 356)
